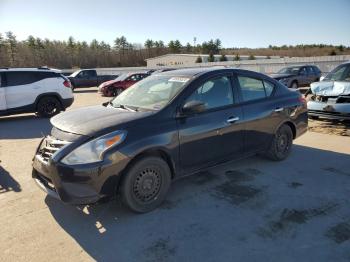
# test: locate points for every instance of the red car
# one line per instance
(122, 82)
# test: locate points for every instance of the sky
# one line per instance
(237, 23)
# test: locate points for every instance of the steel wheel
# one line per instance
(147, 185)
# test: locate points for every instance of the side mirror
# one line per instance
(193, 107)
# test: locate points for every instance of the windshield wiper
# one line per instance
(125, 107)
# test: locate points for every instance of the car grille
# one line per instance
(50, 146)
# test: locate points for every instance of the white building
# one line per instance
(189, 59)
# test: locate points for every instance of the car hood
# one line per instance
(330, 88)
(108, 83)
(95, 119)
(279, 76)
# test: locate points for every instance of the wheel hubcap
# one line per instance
(147, 185)
(282, 143)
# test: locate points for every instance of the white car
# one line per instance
(331, 97)
(39, 90)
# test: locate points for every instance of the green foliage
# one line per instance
(211, 57)
(251, 57)
(199, 59)
(223, 58)
(237, 57)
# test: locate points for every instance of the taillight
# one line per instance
(302, 100)
(67, 83)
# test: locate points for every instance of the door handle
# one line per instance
(279, 109)
(232, 119)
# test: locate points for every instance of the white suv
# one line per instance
(41, 90)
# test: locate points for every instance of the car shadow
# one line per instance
(224, 203)
(85, 90)
(24, 127)
(7, 182)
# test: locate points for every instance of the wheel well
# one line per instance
(48, 95)
(151, 152)
(156, 153)
(292, 127)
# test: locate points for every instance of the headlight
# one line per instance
(93, 150)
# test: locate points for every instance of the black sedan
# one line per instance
(166, 126)
(298, 76)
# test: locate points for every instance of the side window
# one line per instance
(268, 88)
(303, 71)
(310, 70)
(252, 88)
(216, 92)
(90, 73)
(0, 80)
(20, 78)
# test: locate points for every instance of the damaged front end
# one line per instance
(330, 100)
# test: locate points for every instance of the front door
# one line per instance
(215, 134)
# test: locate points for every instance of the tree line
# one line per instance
(35, 51)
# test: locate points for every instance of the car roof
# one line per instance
(193, 72)
(29, 69)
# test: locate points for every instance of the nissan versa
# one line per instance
(166, 126)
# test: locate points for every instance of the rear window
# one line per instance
(25, 78)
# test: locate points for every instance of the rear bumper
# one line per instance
(67, 102)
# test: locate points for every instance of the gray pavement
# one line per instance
(248, 210)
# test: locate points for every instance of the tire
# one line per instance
(73, 88)
(48, 106)
(281, 144)
(294, 85)
(145, 185)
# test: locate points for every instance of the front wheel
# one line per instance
(281, 144)
(145, 184)
(48, 106)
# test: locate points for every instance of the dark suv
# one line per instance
(298, 76)
(166, 126)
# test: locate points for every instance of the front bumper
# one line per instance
(79, 184)
(329, 110)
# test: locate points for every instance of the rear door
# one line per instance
(2, 93)
(262, 112)
(215, 134)
(22, 88)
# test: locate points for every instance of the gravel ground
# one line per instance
(250, 210)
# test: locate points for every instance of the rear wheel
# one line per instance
(145, 184)
(48, 106)
(281, 144)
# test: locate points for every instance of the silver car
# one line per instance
(331, 97)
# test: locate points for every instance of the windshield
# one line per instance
(122, 77)
(340, 73)
(289, 70)
(152, 93)
(74, 74)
